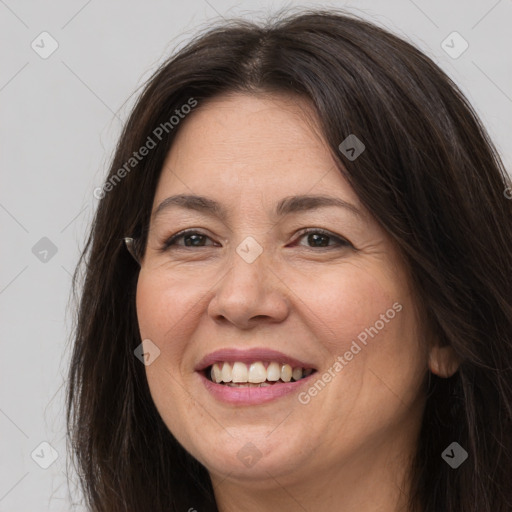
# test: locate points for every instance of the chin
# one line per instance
(249, 457)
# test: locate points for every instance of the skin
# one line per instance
(310, 302)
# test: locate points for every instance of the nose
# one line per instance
(249, 294)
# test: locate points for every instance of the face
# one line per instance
(323, 286)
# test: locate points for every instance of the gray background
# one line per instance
(61, 117)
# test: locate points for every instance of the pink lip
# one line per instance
(249, 356)
(252, 396)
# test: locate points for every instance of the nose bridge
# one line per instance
(250, 288)
(249, 267)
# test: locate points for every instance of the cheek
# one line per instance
(164, 308)
(165, 312)
(363, 318)
(150, 307)
(342, 303)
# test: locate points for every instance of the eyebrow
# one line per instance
(287, 205)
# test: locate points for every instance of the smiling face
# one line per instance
(250, 277)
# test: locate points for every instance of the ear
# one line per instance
(443, 361)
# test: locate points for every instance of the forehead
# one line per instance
(262, 144)
(236, 127)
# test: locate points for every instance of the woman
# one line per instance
(313, 309)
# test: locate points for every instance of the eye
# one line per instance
(319, 236)
(191, 237)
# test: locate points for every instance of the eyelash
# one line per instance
(170, 242)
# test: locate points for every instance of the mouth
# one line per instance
(257, 374)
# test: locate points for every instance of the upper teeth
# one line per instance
(256, 372)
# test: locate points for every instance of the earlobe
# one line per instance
(443, 361)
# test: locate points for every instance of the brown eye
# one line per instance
(320, 238)
(190, 237)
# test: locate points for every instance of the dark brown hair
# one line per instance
(429, 175)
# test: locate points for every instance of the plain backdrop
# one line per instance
(61, 114)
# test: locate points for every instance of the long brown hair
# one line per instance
(429, 175)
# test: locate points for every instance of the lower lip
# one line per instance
(252, 395)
